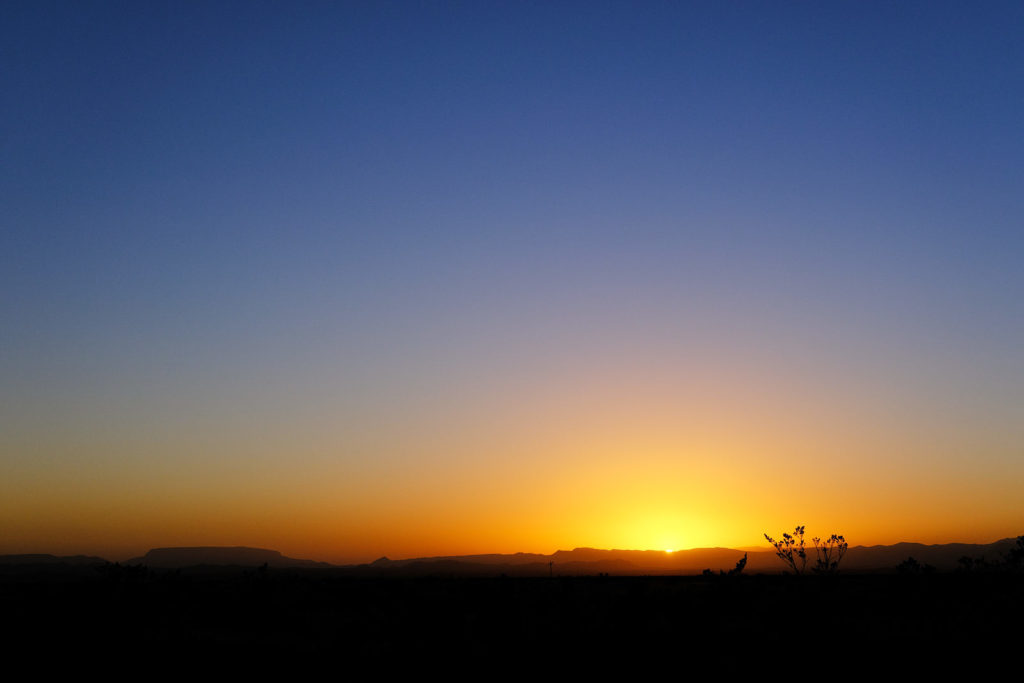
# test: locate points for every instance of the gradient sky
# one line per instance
(354, 279)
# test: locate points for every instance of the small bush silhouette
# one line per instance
(1014, 560)
(913, 567)
(792, 551)
(830, 553)
(735, 571)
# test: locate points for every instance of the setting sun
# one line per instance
(369, 330)
(497, 314)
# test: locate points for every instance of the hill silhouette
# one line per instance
(576, 562)
(581, 561)
(240, 556)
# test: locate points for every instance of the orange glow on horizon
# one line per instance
(504, 478)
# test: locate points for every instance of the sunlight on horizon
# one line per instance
(413, 279)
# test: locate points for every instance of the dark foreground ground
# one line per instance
(757, 623)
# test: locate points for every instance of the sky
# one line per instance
(426, 278)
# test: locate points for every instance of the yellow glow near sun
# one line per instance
(670, 550)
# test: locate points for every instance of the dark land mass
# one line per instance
(39, 559)
(583, 608)
(586, 561)
(577, 562)
(39, 565)
(909, 623)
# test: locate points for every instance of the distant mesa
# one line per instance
(176, 558)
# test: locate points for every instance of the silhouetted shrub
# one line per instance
(970, 564)
(913, 567)
(740, 566)
(1014, 560)
(735, 571)
(830, 553)
(791, 550)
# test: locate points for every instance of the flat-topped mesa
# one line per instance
(172, 558)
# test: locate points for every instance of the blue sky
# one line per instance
(238, 218)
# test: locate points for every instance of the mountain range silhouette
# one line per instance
(579, 561)
(944, 557)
